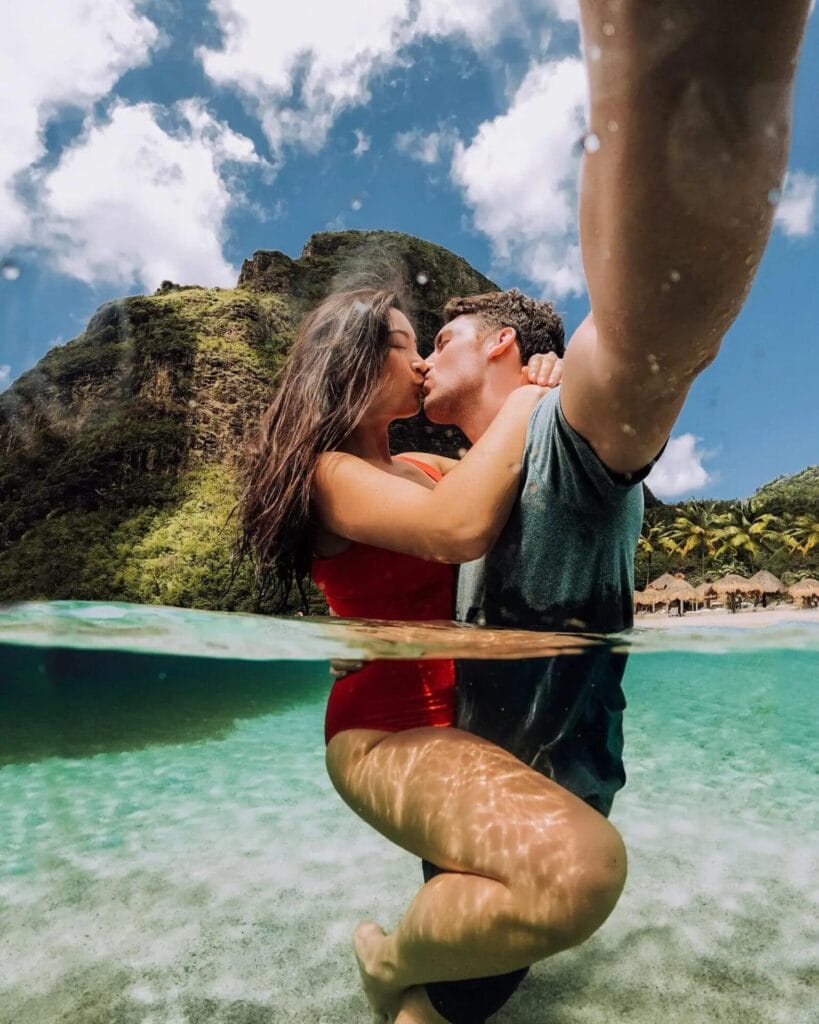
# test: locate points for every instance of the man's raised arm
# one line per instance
(689, 136)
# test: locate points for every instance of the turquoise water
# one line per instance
(172, 852)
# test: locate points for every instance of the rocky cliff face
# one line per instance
(118, 450)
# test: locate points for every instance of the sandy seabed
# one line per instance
(218, 882)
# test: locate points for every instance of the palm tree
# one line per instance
(802, 533)
(650, 541)
(739, 531)
(694, 529)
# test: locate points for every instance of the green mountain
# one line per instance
(119, 449)
(794, 494)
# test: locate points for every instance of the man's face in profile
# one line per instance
(457, 365)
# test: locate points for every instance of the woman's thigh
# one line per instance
(466, 805)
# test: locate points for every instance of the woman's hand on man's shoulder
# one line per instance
(544, 369)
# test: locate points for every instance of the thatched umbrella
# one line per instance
(664, 582)
(763, 583)
(647, 598)
(805, 590)
(729, 586)
(704, 592)
(681, 592)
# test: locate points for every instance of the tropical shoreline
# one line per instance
(750, 618)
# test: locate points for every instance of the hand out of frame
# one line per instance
(543, 369)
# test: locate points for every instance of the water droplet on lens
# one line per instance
(774, 195)
(356, 204)
(675, 276)
(10, 270)
(595, 53)
(628, 430)
(608, 28)
(461, 452)
(422, 278)
(613, 126)
(591, 142)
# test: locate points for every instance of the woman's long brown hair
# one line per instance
(329, 379)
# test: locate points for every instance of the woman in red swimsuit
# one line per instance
(382, 535)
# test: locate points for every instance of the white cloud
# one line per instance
(426, 147)
(57, 56)
(362, 143)
(796, 213)
(519, 177)
(135, 201)
(303, 68)
(680, 470)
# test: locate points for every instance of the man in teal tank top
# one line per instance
(690, 139)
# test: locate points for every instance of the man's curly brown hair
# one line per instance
(537, 325)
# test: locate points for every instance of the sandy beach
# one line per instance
(751, 618)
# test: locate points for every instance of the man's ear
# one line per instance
(507, 337)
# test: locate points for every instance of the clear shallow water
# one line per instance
(172, 851)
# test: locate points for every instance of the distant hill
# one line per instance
(118, 450)
(795, 494)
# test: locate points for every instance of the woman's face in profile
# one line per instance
(399, 394)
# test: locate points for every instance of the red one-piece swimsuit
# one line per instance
(373, 583)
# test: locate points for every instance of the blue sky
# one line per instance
(172, 138)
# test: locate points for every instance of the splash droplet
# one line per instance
(628, 430)
(461, 452)
(608, 28)
(591, 142)
(675, 276)
(595, 53)
(422, 278)
(613, 126)
(356, 204)
(10, 270)
(774, 195)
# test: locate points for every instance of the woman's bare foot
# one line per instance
(368, 945)
(417, 1009)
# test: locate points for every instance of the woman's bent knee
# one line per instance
(570, 905)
